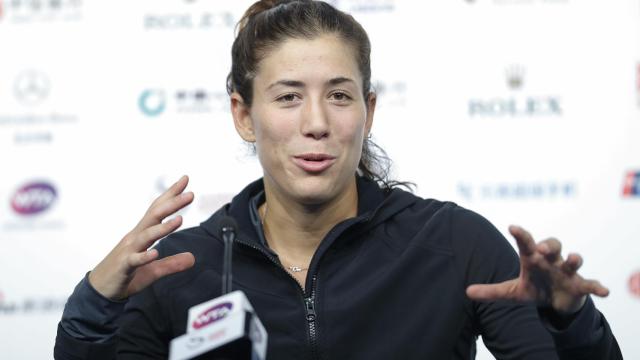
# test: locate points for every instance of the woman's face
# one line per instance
(308, 119)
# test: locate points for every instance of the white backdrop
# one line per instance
(526, 111)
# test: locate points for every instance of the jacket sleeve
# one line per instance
(520, 331)
(93, 327)
(586, 336)
(144, 328)
(88, 326)
(68, 347)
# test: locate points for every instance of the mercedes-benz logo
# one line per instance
(31, 87)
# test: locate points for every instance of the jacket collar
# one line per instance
(371, 211)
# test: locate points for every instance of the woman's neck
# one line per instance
(294, 230)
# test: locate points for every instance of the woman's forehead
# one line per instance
(325, 59)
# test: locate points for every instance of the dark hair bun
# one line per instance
(257, 8)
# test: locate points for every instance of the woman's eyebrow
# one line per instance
(290, 83)
(339, 80)
(299, 84)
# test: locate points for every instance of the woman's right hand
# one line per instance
(130, 267)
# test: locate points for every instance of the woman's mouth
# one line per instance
(314, 162)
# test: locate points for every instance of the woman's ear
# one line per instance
(242, 118)
(371, 107)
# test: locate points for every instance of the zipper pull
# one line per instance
(310, 308)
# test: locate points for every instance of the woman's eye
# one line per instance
(287, 98)
(340, 96)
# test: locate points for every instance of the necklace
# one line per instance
(296, 268)
(292, 268)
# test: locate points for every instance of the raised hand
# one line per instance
(130, 267)
(545, 277)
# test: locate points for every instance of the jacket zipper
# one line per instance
(310, 308)
(309, 302)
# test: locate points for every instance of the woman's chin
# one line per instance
(315, 194)
(312, 190)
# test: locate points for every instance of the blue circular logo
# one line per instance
(152, 102)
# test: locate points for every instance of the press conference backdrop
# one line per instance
(526, 111)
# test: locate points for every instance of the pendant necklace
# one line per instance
(293, 268)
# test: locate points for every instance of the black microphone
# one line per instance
(226, 327)
(228, 233)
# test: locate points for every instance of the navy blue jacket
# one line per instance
(387, 284)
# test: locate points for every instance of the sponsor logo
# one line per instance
(152, 102)
(29, 137)
(391, 93)
(34, 124)
(634, 284)
(212, 315)
(31, 305)
(33, 198)
(195, 17)
(515, 77)
(631, 185)
(515, 104)
(206, 20)
(518, 190)
(29, 11)
(31, 87)
(200, 101)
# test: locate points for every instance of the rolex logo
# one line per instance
(515, 77)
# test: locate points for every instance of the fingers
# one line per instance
(492, 292)
(166, 204)
(142, 258)
(176, 188)
(112, 277)
(526, 244)
(160, 210)
(551, 249)
(594, 287)
(572, 264)
(155, 270)
(148, 236)
(136, 243)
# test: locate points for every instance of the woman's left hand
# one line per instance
(545, 277)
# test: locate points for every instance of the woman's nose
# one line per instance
(315, 123)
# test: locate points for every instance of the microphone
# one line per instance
(226, 327)
(228, 232)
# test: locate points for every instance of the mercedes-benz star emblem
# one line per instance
(31, 87)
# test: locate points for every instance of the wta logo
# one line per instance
(631, 187)
(33, 198)
(212, 315)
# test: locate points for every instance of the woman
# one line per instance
(338, 263)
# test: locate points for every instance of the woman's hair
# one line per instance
(268, 23)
